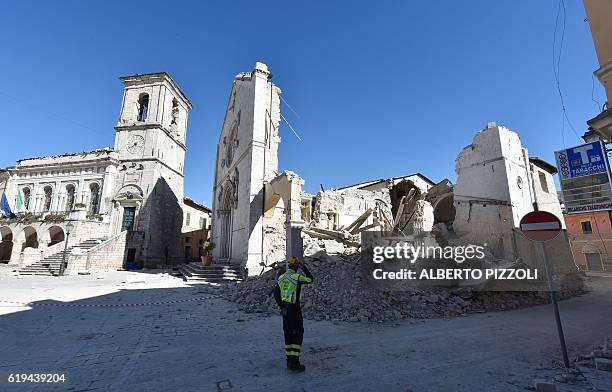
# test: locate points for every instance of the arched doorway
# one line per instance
(31, 238)
(225, 223)
(6, 244)
(56, 235)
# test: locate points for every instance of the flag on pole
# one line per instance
(5, 209)
(19, 201)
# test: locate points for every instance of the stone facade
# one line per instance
(137, 186)
(497, 185)
(247, 158)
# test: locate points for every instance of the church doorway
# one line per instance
(225, 220)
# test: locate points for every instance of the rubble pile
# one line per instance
(337, 294)
(600, 357)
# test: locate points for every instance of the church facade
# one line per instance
(136, 187)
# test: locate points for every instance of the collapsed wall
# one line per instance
(495, 188)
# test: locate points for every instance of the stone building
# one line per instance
(251, 201)
(136, 187)
(497, 184)
(196, 228)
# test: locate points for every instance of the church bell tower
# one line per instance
(150, 140)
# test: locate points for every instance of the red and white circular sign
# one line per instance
(540, 226)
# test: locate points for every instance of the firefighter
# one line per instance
(287, 294)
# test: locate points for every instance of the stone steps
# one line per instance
(218, 272)
(50, 265)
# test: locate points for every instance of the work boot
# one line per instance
(293, 365)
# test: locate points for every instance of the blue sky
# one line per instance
(382, 88)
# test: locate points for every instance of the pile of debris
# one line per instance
(600, 357)
(337, 294)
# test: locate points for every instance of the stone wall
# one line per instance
(110, 255)
(495, 189)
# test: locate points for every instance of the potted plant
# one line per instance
(207, 258)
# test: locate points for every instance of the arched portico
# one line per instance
(55, 235)
(6, 244)
(29, 238)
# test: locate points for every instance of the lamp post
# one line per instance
(69, 227)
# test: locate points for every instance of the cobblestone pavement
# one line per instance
(90, 328)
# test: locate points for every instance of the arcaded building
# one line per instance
(126, 201)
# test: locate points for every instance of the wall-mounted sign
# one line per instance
(585, 178)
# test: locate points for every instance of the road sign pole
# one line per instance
(553, 300)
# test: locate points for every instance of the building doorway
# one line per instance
(225, 220)
(129, 213)
(593, 261)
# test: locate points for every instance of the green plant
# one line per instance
(80, 205)
(208, 247)
(28, 217)
(97, 217)
(55, 217)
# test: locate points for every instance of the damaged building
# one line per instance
(262, 216)
(497, 184)
(253, 206)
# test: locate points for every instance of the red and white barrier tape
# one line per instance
(71, 305)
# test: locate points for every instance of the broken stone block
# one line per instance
(603, 364)
(544, 386)
(333, 247)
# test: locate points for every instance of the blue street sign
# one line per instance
(580, 161)
(584, 178)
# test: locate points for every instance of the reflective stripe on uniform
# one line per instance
(292, 353)
(298, 346)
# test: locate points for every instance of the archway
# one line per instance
(225, 220)
(31, 238)
(444, 209)
(6, 244)
(56, 235)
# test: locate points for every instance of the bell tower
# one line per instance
(150, 140)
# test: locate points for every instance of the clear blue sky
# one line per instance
(383, 88)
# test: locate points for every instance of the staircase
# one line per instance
(50, 265)
(196, 272)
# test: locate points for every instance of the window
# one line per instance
(174, 113)
(94, 200)
(143, 107)
(26, 198)
(202, 223)
(543, 182)
(48, 198)
(586, 227)
(188, 219)
(70, 197)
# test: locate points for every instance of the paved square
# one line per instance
(128, 331)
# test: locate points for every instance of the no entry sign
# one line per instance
(540, 226)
